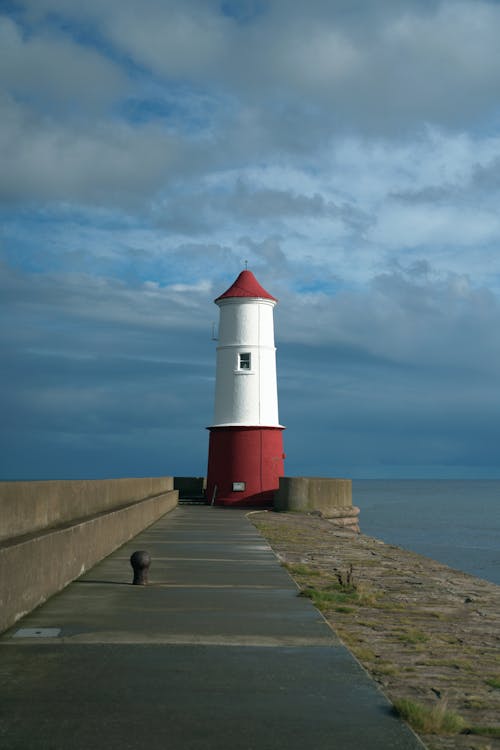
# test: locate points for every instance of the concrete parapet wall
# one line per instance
(35, 565)
(26, 507)
(330, 497)
(313, 493)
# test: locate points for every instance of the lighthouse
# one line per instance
(245, 456)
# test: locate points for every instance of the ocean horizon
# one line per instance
(453, 521)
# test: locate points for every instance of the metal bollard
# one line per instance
(140, 562)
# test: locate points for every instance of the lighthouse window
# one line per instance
(245, 361)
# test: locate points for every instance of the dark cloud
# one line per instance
(348, 407)
(406, 369)
(243, 204)
(100, 164)
(371, 69)
(82, 372)
(409, 315)
(52, 71)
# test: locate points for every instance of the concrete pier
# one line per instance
(51, 532)
(217, 652)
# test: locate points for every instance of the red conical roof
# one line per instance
(246, 285)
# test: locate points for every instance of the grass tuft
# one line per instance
(300, 569)
(341, 591)
(483, 731)
(412, 636)
(494, 682)
(386, 668)
(429, 719)
(363, 653)
(462, 664)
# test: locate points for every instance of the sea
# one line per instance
(456, 522)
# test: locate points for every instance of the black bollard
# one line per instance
(140, 561)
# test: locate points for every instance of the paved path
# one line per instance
(217, 653)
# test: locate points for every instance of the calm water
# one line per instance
(456, 522)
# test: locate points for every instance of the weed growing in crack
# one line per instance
(429, 719)
(300, 569)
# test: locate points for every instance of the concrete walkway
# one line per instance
(217, 653)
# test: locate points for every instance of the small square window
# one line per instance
(245, 361)
(239, 486)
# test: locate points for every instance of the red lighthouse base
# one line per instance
(244, 465)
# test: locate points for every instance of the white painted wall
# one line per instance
(246, 397)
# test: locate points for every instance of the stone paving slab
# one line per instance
(217, 652)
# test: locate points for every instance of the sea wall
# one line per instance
(329, 497)
(51, 532)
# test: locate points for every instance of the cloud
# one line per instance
(109, 163)
(176, 40)
(78, 354)
(372, 70)
(414, 226)
(51, 70)
(233, 199)
(78, 298)
(407, 317)
(385, 67)
(403, 372)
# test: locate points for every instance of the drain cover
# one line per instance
(37, 633)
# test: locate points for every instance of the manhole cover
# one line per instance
(37, 633)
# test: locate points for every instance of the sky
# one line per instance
(349, 151)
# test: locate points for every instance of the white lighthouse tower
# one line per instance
(245, 458)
